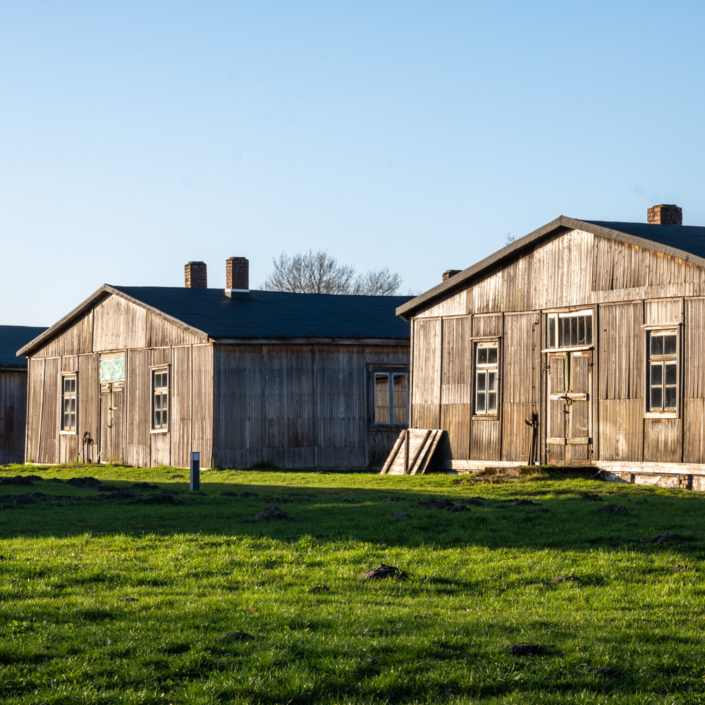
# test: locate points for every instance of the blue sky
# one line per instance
(137, 136)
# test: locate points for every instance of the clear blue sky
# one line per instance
(136, 136)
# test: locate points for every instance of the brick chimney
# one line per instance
(450, 273)
(237, 276)
(196, 275)
(665, 215)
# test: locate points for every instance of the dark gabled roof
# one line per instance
(263, 315)
(685, 242)
(12, 338)
(276, 314)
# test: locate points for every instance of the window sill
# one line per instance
(67, 433)
(485, 417)
(661, 415)
(159, 430)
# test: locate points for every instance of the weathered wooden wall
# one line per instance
(116, 325)
(13, 409)
(627, 287)
(299, 405)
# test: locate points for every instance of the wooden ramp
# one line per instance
(412, 452)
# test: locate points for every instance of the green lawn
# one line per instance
(480, 579)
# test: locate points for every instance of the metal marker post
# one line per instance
(195, 472)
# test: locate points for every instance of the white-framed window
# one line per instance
(569, 330)
(160, 399)
(68, 403)
(663, 372)
(391, 393)
(487, 378)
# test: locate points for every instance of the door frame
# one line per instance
(568, 397)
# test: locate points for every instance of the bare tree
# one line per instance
(320, 273)
(380, 283)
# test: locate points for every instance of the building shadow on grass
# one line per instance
(528, 515)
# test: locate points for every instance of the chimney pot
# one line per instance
(196, 275)
(450, 273)
(237, 276)
(665, 215)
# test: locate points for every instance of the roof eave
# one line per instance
(562, 222)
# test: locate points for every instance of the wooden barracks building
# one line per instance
(13, 391)
(581, 343)
(145, 375)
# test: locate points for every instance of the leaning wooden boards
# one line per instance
(412, 452)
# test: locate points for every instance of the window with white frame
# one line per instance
(160, 399)
(569, 330)
(486, 378)
(391, 390)
(663, 371)
(68, 403)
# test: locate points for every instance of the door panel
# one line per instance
(569, 381)
(112, 428)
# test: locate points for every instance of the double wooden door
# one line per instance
(569, 390)
(112, 424)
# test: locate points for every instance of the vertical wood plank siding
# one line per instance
(13, 410)
(298, 405)
(628, 287)
(520, 380)
(426, 376)
(139, 405)
(202, 434)
(456, 387)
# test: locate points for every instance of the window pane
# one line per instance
(671, 375)
(656, 397)
(574, 330)
(551, 331)
(581, 330)
(657, 345)
(565, 328)
(400, 414)
(588, 330)
(157, 419)
(492, 401)
(492, 356)
(382, 414)
(492, 382)
(669, 344)
(399, 381)
(481, 382)
(66, 405)
(382, 398)
(480, 401)
(381, 381)
(400, 398)
(72, 405)
(482, 356)
(657, 374)
(73, 420)
(670, 398)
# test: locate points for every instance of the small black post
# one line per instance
(195, 472)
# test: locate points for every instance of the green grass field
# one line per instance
(196, 567)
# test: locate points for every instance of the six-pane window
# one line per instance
(160, 396)
(663, 371)
(391, 397)
(68, 403)
(570, 330)
(486, 379)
